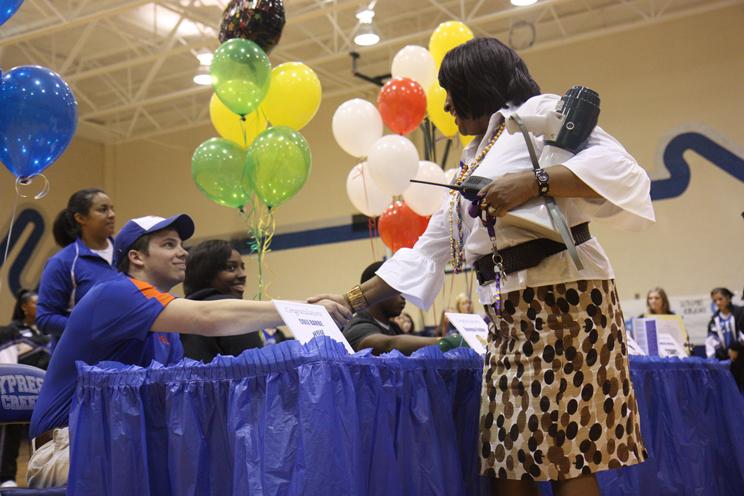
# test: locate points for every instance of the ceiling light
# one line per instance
(204, 56)
(202, 76)
(365, 15)
(523, 3)
(366, 35)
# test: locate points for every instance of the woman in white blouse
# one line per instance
(557, 402)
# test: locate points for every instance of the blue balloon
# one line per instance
(8, 8)
(38, 118)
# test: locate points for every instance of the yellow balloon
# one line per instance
(294, 95)
(444, 121)
(465, 140)
(447, 36)
(229, 125)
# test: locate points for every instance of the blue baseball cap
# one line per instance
(136, 228)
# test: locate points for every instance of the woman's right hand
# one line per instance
(340, 312)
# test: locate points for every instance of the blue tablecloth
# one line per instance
(312, 420)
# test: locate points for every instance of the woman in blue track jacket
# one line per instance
(84, 229)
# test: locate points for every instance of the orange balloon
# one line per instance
(400, 227)
(402, 104)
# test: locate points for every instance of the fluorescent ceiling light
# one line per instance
(523, 3)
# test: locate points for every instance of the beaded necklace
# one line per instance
(455, 215)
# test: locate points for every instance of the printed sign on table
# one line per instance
(472, 328)
(644, 332)
(308, 321)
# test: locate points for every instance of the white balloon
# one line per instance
(356, 126)
(451, 173)
(392, 162)
(415, 62)
(424, 199)
(364, 193)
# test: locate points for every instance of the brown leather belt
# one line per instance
(43, 438)
(527, 254)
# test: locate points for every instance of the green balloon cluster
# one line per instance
(217, 168)
(241, 74)
(277, 165)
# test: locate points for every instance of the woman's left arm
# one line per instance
(512, 190)
(603, 173)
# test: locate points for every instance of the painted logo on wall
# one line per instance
(679, 170)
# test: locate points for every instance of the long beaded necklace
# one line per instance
(455, 215)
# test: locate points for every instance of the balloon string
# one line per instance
(244, 131)
(10, 230)
(262, 229)
(372, 226)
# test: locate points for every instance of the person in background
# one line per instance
(84, 230)
(463, 304)
(20, 342)
(657, 303)
(215, 271)
(726, 327)
(371, 327)
(33, 344)
(404, 323)
(736, 354)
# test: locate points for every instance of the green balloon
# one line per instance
(217, 168)
(241, 74)
(277, 165)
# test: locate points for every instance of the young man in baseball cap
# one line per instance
(133, 319)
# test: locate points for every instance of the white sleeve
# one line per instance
(712, 343)
(418, 272)
(606, 167)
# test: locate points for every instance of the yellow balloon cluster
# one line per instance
(229, 125)
(293, 99)
(294, 95)
(444, 121)
(447, 36)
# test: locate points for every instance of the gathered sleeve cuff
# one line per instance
(606, 167)
(418, 272)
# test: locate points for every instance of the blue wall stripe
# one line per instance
(310, 237)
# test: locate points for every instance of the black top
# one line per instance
(361, 326)
(19, 332)
(206, 348)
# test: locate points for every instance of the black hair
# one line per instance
(65, 228)
(726, 292)
(142, 244)
(369, 272)
(483, 75)
(22, 296)
(204, 262)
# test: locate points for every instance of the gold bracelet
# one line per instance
(357, 300)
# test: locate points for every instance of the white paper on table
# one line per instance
(633, 347)
(307, 321)
(669, 347)
(472, 328)
(673, 326)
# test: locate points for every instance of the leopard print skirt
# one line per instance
(557, 401)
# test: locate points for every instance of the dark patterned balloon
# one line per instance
(260, 21)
